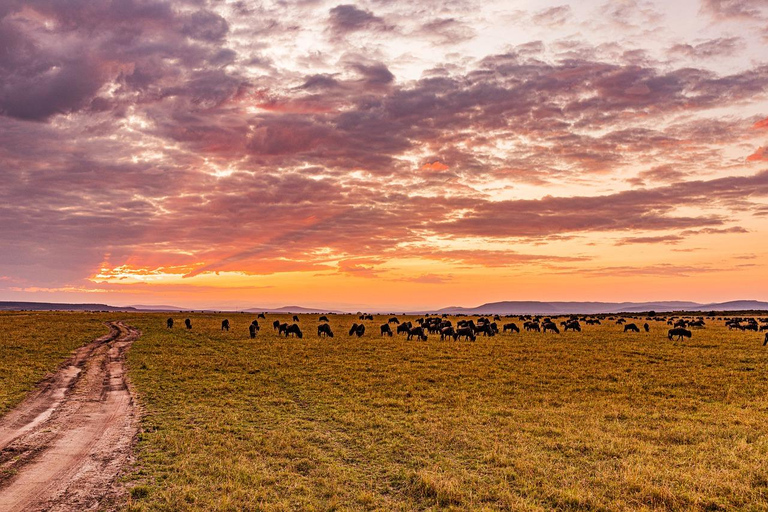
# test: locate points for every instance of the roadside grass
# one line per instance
(33, 344)
(598, 420)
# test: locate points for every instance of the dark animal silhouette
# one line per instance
(486, 330)
(252, 330)
(188, 323)
(631, 327)
(324, 330)
(466, 332)
(393, 320)
(646, 327)
(680, 333)
(293, 330)
(404, 328)
(357, 330)
(225, 325)
(532, 326)
(766, 339)
(323, 319)
(386, 330)
(282, 328)
(448, 332)
(550, 326)
(620, 321)
(572, 325)
(366, 317)
(256, 324)
(418, 332)
(262, 315)
(169, 323)
(295, 318)
(511, 328)
(276, 324)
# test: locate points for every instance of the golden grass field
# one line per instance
(597, 420)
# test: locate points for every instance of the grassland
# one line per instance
(34, 344)
(598, 420)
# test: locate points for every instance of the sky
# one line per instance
(382, 154)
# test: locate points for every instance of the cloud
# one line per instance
(347, 18)
(720, 47)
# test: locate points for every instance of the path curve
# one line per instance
(65, 445)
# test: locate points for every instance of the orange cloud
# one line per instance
(761, 124)
(761, 155)
(434, 166)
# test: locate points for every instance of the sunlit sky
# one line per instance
(382, 154)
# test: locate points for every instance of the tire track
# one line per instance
(65, 445)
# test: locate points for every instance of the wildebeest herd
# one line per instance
(470, 329)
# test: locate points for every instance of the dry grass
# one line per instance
(596, 420)
(34, 344)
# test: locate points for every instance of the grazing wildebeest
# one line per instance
(404, 328)
(276, 324)
(418, 332)
(357, 330)
(225, 325)
(323, 319)
(466, 332)
(262, 315)
(532, 326)
(294, 330)
(448, 332)
(572, 325)
(282, 328)
(620, 321)
(496, 318)
(295, 318)
(486, 330)
(511, 328)
(188, 323)
(550, 326)
(255, 324)
(393, 320)
(324, 330)
(252, 330)
(646, 327)
(386, 330)
(696, 323)
(631, 327)
(680, 333)
(169, 323)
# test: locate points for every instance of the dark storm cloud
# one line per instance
(348, 18)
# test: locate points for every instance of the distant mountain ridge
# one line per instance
(593, 308)
(491, 308)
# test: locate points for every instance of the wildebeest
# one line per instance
(294, 330)
(620, 321)
(324, 330)
(466, 333)
(404, 328)
(448, 332)
(252, 330)
(282, 328)
(631, 327)
(532, 326)
(225, 325)
(262, 315)
(418, 332)
(511, 328)
(646, 327)
(393, 320)
(550, 326)
(255, 323)
(572, 325)
(188, 323)
(366, 317)
(357, 330)
(295, 318)
(680, 333)
(323, 319)
(169, 323)
(386, 330)
(276, 325)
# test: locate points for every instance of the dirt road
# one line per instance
(65, 445)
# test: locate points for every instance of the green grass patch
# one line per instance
(33, 344)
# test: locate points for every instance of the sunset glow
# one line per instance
(383, 155)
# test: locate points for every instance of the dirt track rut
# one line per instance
(64, 447)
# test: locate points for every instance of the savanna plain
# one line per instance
(591, 420)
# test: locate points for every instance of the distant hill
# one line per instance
(295, 310)
(590, 308)
(55, 306)
(157, 307)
